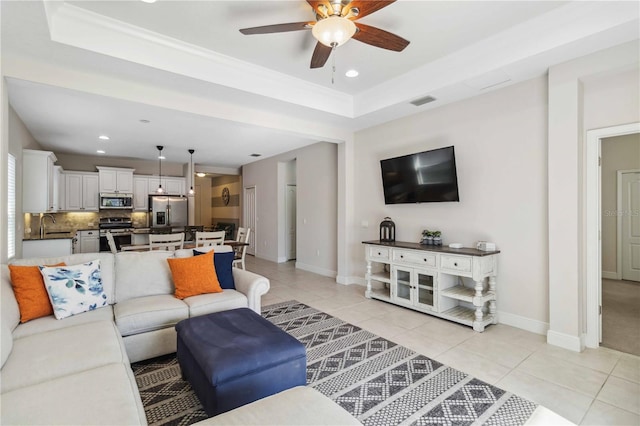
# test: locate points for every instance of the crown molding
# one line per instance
(78, 27)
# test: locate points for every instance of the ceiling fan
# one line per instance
(335, 25)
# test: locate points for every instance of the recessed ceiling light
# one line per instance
(352, 73)
(162, 157)
(149, 1)
(104, 137)
(145, 121)
(200, 174)
(100, 151)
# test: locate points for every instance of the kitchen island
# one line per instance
(49, 245)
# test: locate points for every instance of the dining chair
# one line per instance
(166, 241)
(112, 243)
(205, 239)
(241, 252)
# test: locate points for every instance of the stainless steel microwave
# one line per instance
(115, 201)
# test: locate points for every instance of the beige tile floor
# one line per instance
(595, 387)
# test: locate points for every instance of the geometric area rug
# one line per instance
(376, 380)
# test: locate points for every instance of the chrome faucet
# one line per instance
(44, 216)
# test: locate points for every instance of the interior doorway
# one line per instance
(613, 313)
(290, 221)
(250, 220)
(620, 285)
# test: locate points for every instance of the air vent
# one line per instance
(423, 101)
(255, 155)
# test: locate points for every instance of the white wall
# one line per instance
(88, 163)
(594, 91)
(19, 138)
(500, 146)
(316, 169)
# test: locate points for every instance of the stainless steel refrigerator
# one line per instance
(168, 211)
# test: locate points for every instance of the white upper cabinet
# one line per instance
(140, 193)
(171, 185)
(38, 181)
(115, 180)
(81, 191)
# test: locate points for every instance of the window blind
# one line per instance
(11, 203)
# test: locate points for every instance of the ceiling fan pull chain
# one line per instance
(333, 66)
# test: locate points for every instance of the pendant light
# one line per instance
(191, 191)
(160, 190)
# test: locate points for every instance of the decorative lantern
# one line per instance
(387, 230)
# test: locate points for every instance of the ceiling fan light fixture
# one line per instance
(334, 31)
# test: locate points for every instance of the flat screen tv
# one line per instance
(424, 177)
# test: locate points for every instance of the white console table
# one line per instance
(429, 279)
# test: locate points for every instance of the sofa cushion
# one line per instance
(223, 263)
(50, 323)
(8, 304)
(74, 289)
(105, 395)
(6, 342)
(209, 303)
(149, 313)
(31, 294)
(107, 267)
(143, 274)
(194, 275)
(46, 356)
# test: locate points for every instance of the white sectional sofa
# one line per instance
(77, 370)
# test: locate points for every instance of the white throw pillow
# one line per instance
(74, 289)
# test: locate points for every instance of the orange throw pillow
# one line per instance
(194, 275)
(31, 294)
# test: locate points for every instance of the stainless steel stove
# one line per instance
(121, 228)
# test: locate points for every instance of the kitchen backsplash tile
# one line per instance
(73, 221)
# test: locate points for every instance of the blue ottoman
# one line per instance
(235, 357)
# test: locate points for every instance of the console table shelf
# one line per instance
(428, 279)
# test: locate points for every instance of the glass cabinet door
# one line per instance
(403, 285)
(425, 284)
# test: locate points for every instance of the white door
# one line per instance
(250, 220)
(290, 225)
(630, 217)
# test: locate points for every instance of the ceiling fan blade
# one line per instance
(380, 38)
(320, 55)
(278, 28)
(322, 11)
(367, 7)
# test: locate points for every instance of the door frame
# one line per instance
(593, 243)
(619, 221)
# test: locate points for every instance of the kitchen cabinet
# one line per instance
(140, 193)
(88, 241)
(430, 279)
(171, 185)
(58, 189)
(81, 191)
(115, 179)
(39, 185)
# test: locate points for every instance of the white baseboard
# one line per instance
(282, 259)
(316, 270)
(270, 259)
(523, 323)
(346, 280)
(608, 275)
(566, 341)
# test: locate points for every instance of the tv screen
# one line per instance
(424, 177)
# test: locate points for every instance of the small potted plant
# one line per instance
(427, 237)
(437, 239)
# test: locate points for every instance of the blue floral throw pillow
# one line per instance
(74, 289)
